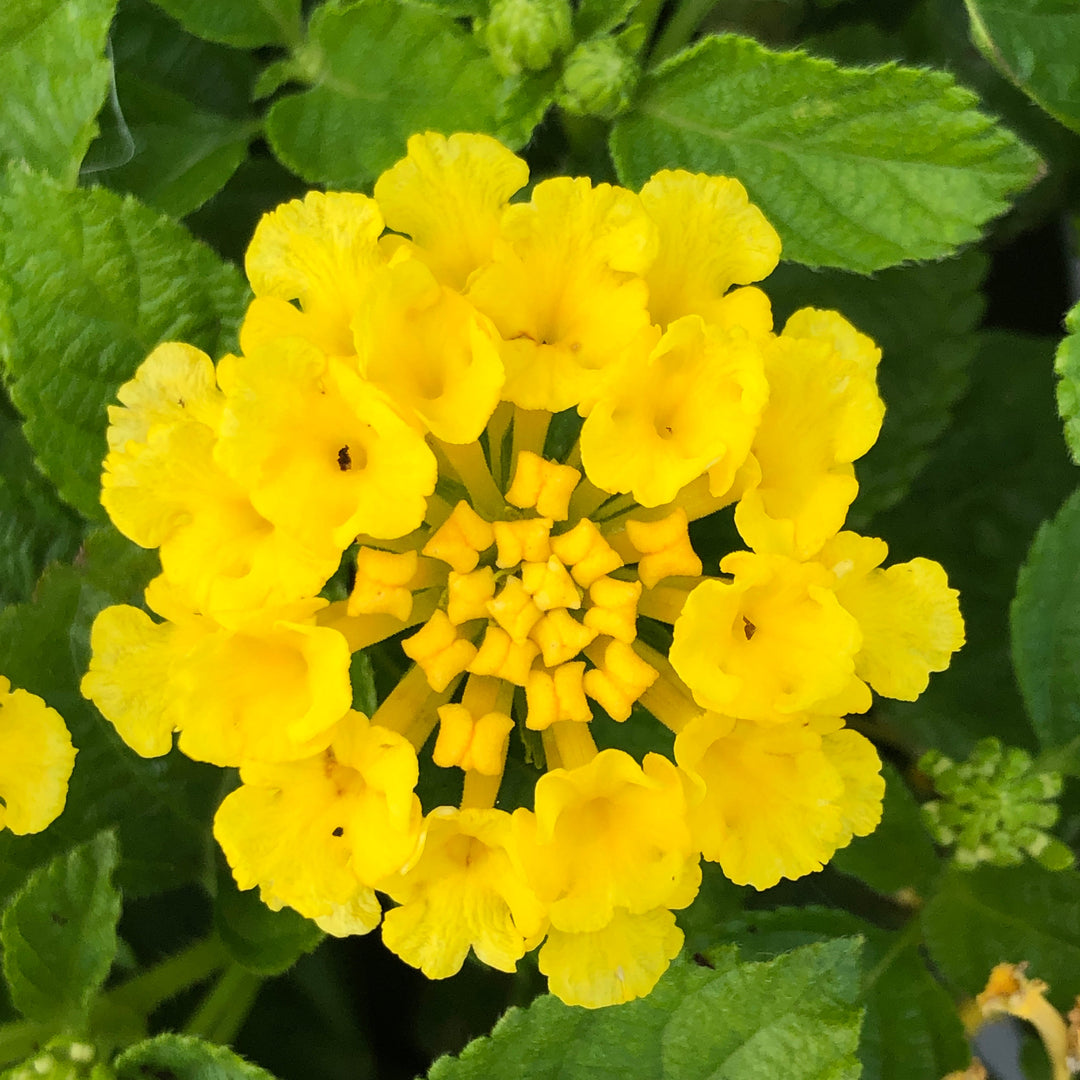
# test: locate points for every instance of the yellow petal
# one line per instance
(448, 195)
(619, 962)
(711, 237)
(320, 251)
(36, 759)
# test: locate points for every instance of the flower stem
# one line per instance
(224, 1010)
(680, 29)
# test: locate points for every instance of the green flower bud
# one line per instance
(527, 34)
(598, 79)
(994, 807)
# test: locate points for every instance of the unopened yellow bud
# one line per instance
(381, 584)
(460, 539)
(550, 585)
(620, 680)
(476, 743)
(665, 548)
(522, 541)
(501, 656)
(587, 553)
(439, 651)
(614, 610)
(469, 594)
(560, 636)
(544, 484)
(558, 695)
(513, 609)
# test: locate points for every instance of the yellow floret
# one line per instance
(460, 539)
(472, 742)
(468, 594)
(381, 585)
(503, 657)
(614, 608)
(665, 548)
(437, 648)
(522, 541)
(513, 609)
(550, 585)
(544, 484)
(586, 552)
(560, 636)
(620, 678)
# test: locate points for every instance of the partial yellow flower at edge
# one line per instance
(36, 759)
(465, 890)
(448, 195)
(320, 251)
(779, 800)
(564, 292)
(909, 617)
(711, 237)
(691, 405)
(430, 351)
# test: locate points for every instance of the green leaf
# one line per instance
(1045, 620)
(898, 854)
(858, 168)
(791, 1017)
(89, 284)
(239, 22)
(923, 319)
(389, 71)
(180, 119)
(982, 917)
(911, 1029)
(181, 155)
(55, 77)
(264, 941)
(183, 1057)
(1034, 43)
(161, 808)
(595, 17)
(995, 476)
(59, 933)
(35, 526)
(1067, 366)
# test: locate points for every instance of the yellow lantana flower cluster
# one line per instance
(498, 419)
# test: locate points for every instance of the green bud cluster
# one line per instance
(996, 808)
(528, 34)
(62, 1059)
(598, 79)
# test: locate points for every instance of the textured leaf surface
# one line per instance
(982, 917)
(59, 933)
(89, 284)
(858, 168)
(1067, 366)
(35, 526)
(923, 318)
(911, 1029)
(389, 71)
(183, 1057)
(1045, 619)
(53, 79)
(995, 476)
(162, 807)
(1034, 43)
(179, 121)
(239, 22)
(181, 155)
(793, 1016)
(898, 854)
